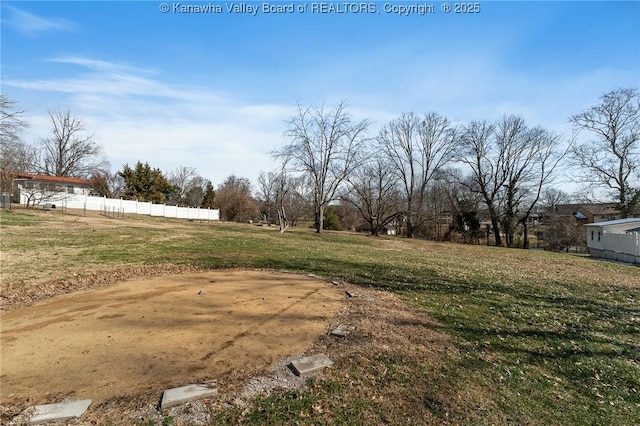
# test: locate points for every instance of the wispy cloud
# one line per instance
(142, 114)
(34, 25)
(137, 116)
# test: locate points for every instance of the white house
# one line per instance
(615, 240)
(61, 184)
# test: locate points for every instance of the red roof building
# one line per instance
(60, 184)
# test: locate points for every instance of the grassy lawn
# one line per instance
(539, 338)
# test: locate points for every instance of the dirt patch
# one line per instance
(364, 370)
(145, 335)
(27, 293)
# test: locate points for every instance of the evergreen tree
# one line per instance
(143, 183)
(209, 200)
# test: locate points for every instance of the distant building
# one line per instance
(587, 212)
(58, 184)
(615, 240)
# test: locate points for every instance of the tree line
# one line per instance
(420, 174)
(418, 163)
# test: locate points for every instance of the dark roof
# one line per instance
(599, 209)
(566, 209)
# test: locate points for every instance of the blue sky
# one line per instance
(213, 91)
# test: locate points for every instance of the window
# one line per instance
(598, 235)
(592, 235)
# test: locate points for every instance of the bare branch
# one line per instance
(610, 158)
(70, 151)
(417, 148)
(325, 146)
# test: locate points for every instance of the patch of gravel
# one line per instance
(281, 377)
(194, 413)
(200, 412)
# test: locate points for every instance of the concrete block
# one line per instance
(184, 394)
(342, 330)
(59, 412)
(310, 364)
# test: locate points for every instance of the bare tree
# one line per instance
(374, 192)
(514, 139)
(551, 197)
(417, 148)
(12, 121)
(560, 234)
(190, 186)
(267, 188)
(287, 200)
(234, 199)
(610, 158)
(107, 184)
(531, 158)
(14, 154)
(510, 164)
(438, 209)
(282, 195)
(324, 145)
(547, 156)
(283, 189)
(181, 178)
(70, 150)
(298, 198)
(196, 189)
(487, 163)
(464, 201)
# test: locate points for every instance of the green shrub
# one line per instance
(331, 220)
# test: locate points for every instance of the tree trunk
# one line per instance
(624, 206)
(508, 232)
(525, 226)
(409, 228)
(282, 219)
(496, 229)
(372, 229)
(319, 219)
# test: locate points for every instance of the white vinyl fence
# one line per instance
(77, 201)
(627, 245)
(622, 247)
